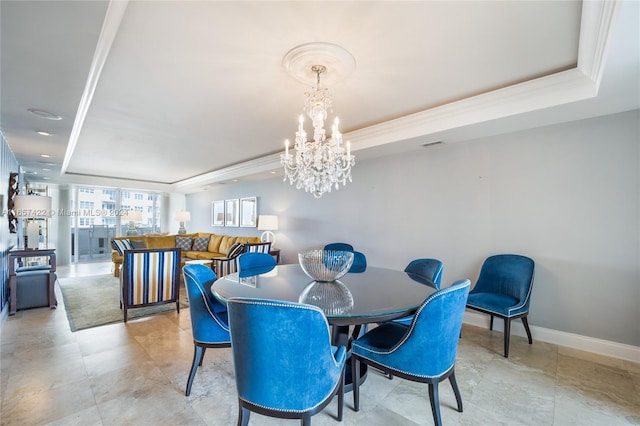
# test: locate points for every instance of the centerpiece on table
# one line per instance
(325, 267)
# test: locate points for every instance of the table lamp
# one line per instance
(132, 216)
(182, 216)
(268, 223)
(30, 207)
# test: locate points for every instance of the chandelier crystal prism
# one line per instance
(321, 164)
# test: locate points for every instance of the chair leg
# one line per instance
(202, 357)
(491, 323)
(125, 313)
(198, 352)
(178, 306)
(507, 332)
(456, 391)
(306, 420)
(435, 403)
(526, 328)
(341, 395)
(355, 382)
(243, 416)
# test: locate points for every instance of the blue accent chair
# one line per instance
(504, 290)
(209, 324)
(423, 352)
(284, 363)
(339, 246)
(425, 271)
(359, 262)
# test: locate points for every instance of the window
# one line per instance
(99, 209)
(86, 221)
(111, 193)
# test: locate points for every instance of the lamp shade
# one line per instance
(32, 206)
(268, 222)
(132, 216)
(182, 216)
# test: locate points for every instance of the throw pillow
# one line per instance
(138, 244)
(235, 250)
(121, 245)
(200, 244)
(183, 243)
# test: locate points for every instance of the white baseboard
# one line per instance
(561, 338)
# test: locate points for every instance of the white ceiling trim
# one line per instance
(110, 26)
(572, 85)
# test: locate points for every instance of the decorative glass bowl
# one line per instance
(325, 265)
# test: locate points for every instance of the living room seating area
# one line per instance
(195, 246)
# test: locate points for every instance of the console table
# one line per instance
(16, 258)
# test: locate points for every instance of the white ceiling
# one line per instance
(175, 95)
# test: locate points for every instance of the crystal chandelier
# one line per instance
(320, 164)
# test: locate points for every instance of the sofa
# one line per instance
(195, 246)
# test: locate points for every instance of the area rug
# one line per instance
(95, 300)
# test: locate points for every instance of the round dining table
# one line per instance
(356, 299)
(373, 296)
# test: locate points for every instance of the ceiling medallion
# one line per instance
(320, 164)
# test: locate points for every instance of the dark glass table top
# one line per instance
(375, 295)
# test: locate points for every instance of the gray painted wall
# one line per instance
(566, 195)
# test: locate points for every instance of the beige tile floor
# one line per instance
(135, 374)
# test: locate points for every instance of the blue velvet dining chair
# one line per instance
(425, 271)
(339, 247)
(254, 260)
(359, 262)
(423, 352)
(284, 363)
(209, 324)
(503, 290)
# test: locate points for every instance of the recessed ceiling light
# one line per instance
(235, 180)
(44, 114)
(273, 172)
(45, 178)
(43, 133)
(46, 170)
(45, 156)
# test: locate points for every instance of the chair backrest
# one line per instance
(339, 246)
(250, 261)
(151, 276)
(282, 353)
(430, 346)
(508, 274)
(359, 262)
(257, 247)
(427, 268)
(209, 323)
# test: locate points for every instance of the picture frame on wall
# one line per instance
(231, 212)
(217, 213)
(248, 212)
